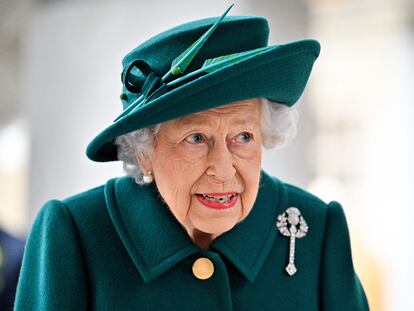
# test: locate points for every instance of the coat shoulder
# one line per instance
(90, 202)
(90, 207)
(298, 195)
(92, 196)
(311, 204)
(305, 201)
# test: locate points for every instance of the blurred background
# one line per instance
(60, 85)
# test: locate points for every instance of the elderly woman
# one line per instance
(197, 225)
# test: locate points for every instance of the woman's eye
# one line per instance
(195, 139)
(244, 137)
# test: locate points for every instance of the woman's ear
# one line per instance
(144, 162)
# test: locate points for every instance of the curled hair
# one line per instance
(278, 124)
(139, 142)
(278, 128)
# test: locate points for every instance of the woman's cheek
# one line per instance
(189, 157)
(176, 201)
(248, 161)
(247, 151)
(192, 152)
(249, 197)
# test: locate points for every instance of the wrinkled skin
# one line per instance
(213, 151)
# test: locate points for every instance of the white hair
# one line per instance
(278, 128)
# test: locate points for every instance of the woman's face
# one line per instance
(207, 166)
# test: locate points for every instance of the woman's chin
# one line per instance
(214, 221)
(215, 227)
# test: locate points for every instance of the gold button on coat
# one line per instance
(203, 268)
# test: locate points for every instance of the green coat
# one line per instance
(117, 247)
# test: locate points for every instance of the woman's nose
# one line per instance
(220, 162)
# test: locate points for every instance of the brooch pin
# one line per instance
(291, 224)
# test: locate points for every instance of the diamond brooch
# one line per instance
(291, 224)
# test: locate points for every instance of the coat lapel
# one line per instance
(153, 238)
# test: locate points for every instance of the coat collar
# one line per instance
(156, 242)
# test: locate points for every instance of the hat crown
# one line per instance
(234, 34)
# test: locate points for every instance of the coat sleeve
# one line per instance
(52, 276)
(341, 288)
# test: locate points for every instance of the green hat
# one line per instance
(201, 65)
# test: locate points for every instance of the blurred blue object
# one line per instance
(11, 252)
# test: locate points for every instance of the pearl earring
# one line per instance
(148, 178)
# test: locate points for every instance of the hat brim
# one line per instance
(279, 74)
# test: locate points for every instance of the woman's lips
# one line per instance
(218, 200)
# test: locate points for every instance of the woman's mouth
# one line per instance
(218, 200)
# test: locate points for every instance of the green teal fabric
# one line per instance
(117, 247)
(279, 73)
